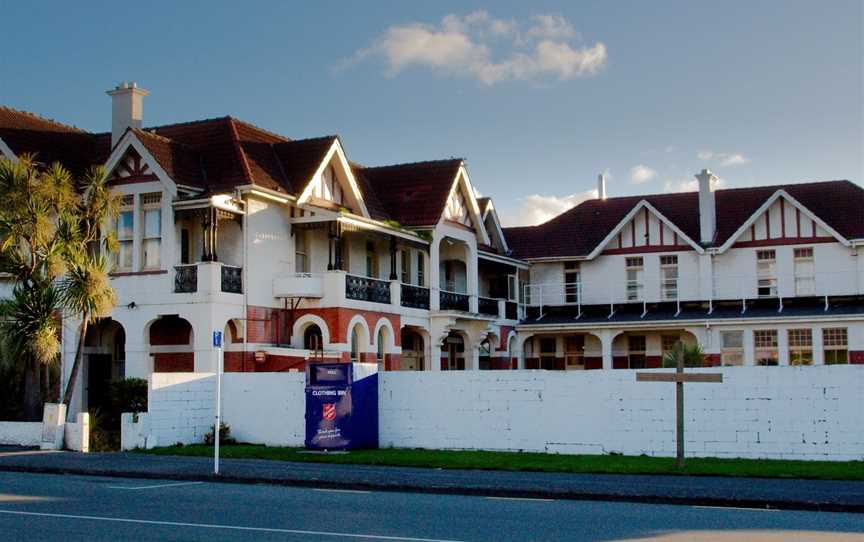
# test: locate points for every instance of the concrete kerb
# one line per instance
(407, 487)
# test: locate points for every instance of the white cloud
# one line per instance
(490, 50)
(724, 158)
(536, 209)
(642, 174)
(688, 185)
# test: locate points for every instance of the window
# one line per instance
(574, 352)
(835, 342)
(406, 266)
(766, 273)
(636, 355)
(301, 260)
(669, 277)
(547, 353)
(765, 341)
(572, 282)
(125, 233)
(800, 347)
(151, 241)
(805, 271)
(732, 348)
(634, 279)
(512, 288)
(421, 269)
(371, 260)
(525, 286)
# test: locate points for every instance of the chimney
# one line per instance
(127, 108)
(601, 186)
(707, 207)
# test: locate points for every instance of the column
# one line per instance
(783, 346)
(606, 338)
(393, 275)
(749, 348)
(434, 272)
(472, 357)
(472, 278)
(818, 351)
(433, 362)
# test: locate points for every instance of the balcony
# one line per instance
(208, 277)
(367, 289)
(487, 306)
(415, 297)
(299, 285)
(452, 301)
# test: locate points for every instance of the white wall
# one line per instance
(762, 412)
(795, 413)
(20, 433)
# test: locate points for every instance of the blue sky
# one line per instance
(539, 98)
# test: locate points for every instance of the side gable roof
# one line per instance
(300, 160)
(413, 194)
(51, 141)
(578, 232)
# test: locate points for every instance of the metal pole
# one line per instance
(217, 429)
(679, 408)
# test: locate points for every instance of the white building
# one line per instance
(298, 253)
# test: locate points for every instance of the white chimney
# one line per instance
(707, 207)
(127, 108)
(601, 186)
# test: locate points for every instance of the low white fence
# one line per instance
(20, 433)
(758, 412)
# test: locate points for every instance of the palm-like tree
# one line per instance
(87, 290)
(692, 353)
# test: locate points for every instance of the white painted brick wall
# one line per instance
(21, 433)
(758, 412)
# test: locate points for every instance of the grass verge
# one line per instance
(535, 462)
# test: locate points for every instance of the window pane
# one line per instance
(124, 255)
(151, 253)
(732, 339)
(152, 223)
(125, 226)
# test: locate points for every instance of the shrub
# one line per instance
(224, 435)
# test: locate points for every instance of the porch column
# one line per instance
(818, 351)
(606, 339)
(783, 347)
(472, 357)
(393, 275)
(434, 275)
(337, 246)
(331, 240)
(749, 348)
(433, 363)
(472, 279)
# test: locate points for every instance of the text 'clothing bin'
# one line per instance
(341, 406)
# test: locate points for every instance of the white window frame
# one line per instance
(800, 344)
(732, 355)
(805, 279)
(766, 273)
(150, 201)
(572, 282)
(763, 345)
(634, 273)
(127, 207)
(301, 255)
(669, 277)
(834, 341)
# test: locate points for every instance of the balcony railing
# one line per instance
(601, 290)
(487, 306)
(452, 301)
(367, 289)
(186, 279)
(232, 279)
(415, 297)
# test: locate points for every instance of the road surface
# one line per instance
(43, 507)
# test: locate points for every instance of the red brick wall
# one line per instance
(170, 331)
(505, 332)
(174, 362)
(592, 362)
(620, 362)
(653, 362)
(532, 363)
(856, 357)
(711, 360)
(266, 323)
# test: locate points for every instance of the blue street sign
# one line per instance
(217, 339)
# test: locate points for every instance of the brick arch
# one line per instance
(303, 323)
(170, 342)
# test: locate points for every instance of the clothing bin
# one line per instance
(341, 406)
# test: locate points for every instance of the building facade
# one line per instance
(297, 253)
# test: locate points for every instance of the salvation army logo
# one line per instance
(329, 413)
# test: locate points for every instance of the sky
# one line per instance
(539, 99)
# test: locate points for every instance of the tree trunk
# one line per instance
(76, 366)
(32, 391)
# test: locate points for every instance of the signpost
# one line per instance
(217, 343)
(679, 378)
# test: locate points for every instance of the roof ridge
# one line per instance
(186, 123)
(46, 119)
(308, 139)
(148, 133)
(420, 163)
(285, 139)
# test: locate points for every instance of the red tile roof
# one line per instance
(51, 141)
(580, 230)
(413, 194)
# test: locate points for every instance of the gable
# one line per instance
(782, 220)
(131, 168)
(644, 229)
(461, 207)
(333, 185)
(492, 225)
(457, 208)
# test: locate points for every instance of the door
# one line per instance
(98, 379)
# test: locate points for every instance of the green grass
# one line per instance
(510, 461)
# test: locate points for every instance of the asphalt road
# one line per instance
(37, 507)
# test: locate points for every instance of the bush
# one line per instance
(128, 395)
(224, 435)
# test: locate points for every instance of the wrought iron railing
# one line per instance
(185, 279)
(415, 297)
(367, 289)
(232, 279)
(451, 301)
(511, 310)
(487, 306)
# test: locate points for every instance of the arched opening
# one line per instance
(105, 361)
(512, 355)
(486, 355)
(412, 350)
(233, 332)
(170, 342)
(453, 352)
(313, 339)
(381, 352)
(356, 333)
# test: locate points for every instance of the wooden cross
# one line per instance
(679, 378)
